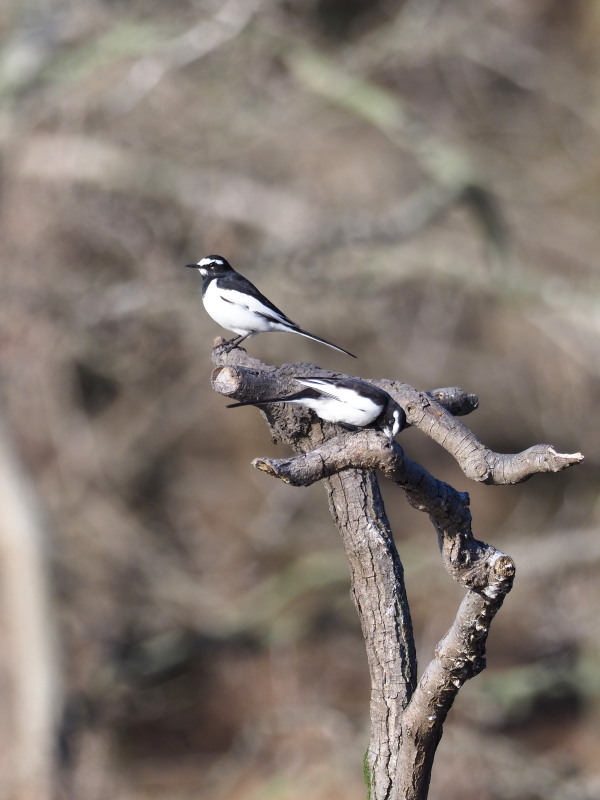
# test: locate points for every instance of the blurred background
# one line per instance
(417, 181)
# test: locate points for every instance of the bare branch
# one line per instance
(376, 572)
(459, 656)
(455, 400)
(205, 37)
(470, 562)
(430, 412)
(406, 717)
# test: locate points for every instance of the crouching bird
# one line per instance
(238, 306)
(350, 402)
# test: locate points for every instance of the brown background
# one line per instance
(207, 645)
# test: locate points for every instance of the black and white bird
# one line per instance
(237, 305)
(346, 401)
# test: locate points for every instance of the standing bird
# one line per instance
(237, 305)
(346, 401)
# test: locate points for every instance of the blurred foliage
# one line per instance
(419, 181)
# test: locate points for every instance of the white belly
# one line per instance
(237, 312)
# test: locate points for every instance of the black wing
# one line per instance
(237, 283)
(302, 395)
(358, 385)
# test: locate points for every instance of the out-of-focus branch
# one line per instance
(200, 40)
(287, 218)
(452, 177)
(216, 193)
(35, 697)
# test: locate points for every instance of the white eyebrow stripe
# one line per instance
(204, 262)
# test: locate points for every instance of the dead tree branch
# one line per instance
(407, 715)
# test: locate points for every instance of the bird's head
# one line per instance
(394, 419)
(212, 266)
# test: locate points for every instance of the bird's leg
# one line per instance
(230, 344)
(240, 339)
(236, 341)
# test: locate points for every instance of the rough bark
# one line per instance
(407, 715)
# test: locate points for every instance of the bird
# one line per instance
(237, 305)
(351, 402)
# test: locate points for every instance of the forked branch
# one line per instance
(406, 716)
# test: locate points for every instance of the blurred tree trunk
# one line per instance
(31, 660)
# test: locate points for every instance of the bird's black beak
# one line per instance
(192, 266)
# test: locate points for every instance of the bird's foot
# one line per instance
(227, 344)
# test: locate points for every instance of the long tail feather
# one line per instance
(287, 399)
(323, 341)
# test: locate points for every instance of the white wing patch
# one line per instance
(343, 394)
(340, 404)
(250, 303)
(241, 313)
